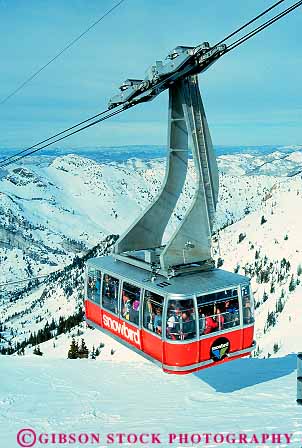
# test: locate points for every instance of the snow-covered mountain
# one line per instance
(50, 211)
(54, 211)
(266, 246)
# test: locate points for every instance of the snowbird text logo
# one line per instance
(122, 329)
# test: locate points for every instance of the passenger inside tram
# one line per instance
(110, 293)
(188, 324)
(152, 312)
(219, 319)
(98, 285)
(130, 303)
(202, 320)
(231, 314)
(173, 322)
(134, 311)
(210, 324)
(218, 311)
(181, 321)
(148, 312)
(126, 306)
(248, 312)
(90, 287)
(158, 320)
(94, 285)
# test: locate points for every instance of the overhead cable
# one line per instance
(266, 24)
(250, 22)
(62, 138)
(52, 137)
(35, 74)
(233, 45)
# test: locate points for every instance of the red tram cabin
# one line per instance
(183, 324)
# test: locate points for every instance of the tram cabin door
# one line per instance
(181, 345)
(153, 324)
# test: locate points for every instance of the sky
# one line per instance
(252, 96)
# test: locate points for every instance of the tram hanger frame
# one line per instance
(189, 248)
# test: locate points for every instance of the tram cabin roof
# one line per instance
(195, 283)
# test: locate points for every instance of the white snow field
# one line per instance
(247, 396)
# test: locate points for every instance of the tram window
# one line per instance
(130, 303)
(153, 312)
(181, 320)
(94, 278)
(110, 293)
(247, 305)
(219, 313)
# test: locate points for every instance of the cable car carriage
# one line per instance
(167, 301)
(183, 323)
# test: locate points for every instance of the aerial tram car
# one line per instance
(167, 301)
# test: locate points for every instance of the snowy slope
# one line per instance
(247, 396)
(271, 254)
(60, 295)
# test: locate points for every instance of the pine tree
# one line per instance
(241, 237)
(73, 351)
(292, 285)
(83, 350)
(37, 351)
(236, 268)
(220, 262)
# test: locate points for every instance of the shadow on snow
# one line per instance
(243, 373)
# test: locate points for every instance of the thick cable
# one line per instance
(52, 137)
(62, 138)
(263, 26)
(250, 22)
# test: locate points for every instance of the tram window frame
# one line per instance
(133, 313)
(210, 303)
(94, 278)
(113, 307)
(177, 330)
(152, 299)
(248, 311)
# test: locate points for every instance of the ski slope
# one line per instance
(249, 396)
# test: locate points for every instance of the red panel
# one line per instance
(152, 345)
(235, 338)
(185, 372)
(93, 312)
(180, 354)
(122, 329)
(248, 337)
